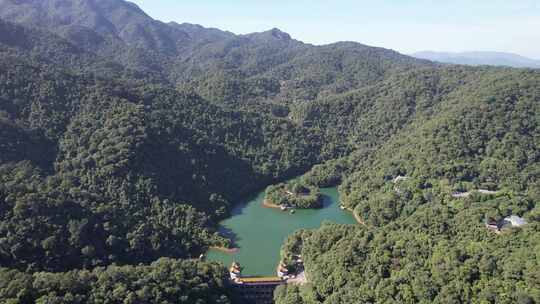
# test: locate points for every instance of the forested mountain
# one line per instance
(124, 140)
(219, 65)
(420, 242)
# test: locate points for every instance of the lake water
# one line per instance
(259, 232)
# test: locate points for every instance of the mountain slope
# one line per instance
(419, 243)
(116, 19)
(218, 64)
(124, 140)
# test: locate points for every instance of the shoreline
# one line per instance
(266, 203)
(224, 249)
(357, 217)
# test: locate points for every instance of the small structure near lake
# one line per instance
(294, 272)
(235, 271)
(256, 290)
(283, 271)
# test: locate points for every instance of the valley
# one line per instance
(129, 147)
(259, 232)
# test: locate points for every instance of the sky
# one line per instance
(403, 25)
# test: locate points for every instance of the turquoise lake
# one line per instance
(259, 232)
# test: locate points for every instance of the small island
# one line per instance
(294, 194)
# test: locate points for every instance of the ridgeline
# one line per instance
(124, 140)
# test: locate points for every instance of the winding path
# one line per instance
(300, 279)
(468, 193)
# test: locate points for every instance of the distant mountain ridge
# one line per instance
(283, 69)
(124, 140)
(480, 58)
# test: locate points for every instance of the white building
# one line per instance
(514, 221)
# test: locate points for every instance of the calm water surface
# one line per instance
(259, 232)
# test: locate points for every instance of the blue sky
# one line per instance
(404, 25)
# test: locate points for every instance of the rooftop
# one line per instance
(515, 221)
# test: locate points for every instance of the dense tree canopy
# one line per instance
(123, 141)
(295, 194)
(425, 238)
(164, 281)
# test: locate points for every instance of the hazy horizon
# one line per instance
(418, 25)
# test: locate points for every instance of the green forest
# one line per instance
(125, 140)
